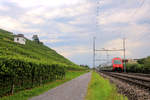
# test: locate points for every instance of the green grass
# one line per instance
(101, 89)
(26, 94)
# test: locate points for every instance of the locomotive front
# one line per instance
(117, 64)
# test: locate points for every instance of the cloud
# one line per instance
(47, 3)
(130, 30)
(59, 12)
(67, 29)
(8, 23)
(32, 19)
(70, 51)
(131, 47)
(130, 15)
(12, 24)
(83, 20)
(52, 40)
(105, 2)
(4, 8)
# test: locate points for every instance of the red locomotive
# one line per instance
(117, 64)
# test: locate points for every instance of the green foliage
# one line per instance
(25, 95)
(134, 67)
(26, 66)
(36, 39)
(24, 75)
(143, 66)
(30, 51)
(141, 61)
(147, 64)
(85, 66)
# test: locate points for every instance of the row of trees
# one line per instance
(85, 66)
(17, 75)
(142, 66)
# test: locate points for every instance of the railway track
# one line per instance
(142, 81)
(139, 74)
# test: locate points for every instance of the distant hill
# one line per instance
(32, 51)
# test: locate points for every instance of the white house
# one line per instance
(20, 39)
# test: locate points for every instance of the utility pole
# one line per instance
(94, 52)
(124, 50)
(107, 57)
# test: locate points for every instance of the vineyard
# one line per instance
(27, 66)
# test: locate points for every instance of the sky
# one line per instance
(68, 26)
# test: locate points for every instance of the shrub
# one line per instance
(134, 67)
(147, 65)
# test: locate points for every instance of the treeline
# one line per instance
(16, 75)
(85, 66)
(142, 66)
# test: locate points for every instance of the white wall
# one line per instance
(20, 40)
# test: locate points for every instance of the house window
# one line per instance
(17, 39)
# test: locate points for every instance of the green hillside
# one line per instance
(30, 65)
(30, 52)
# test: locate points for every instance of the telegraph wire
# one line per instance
(137, 10)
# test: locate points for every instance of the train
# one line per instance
(117, 64)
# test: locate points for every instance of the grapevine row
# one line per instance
(18, 75)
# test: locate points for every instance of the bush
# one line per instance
(147, 65)
(134, 67)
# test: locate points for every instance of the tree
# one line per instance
(36, 39)
(147, 65)
(85, 66)
(141, 61)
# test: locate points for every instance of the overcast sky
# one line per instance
(68, 26)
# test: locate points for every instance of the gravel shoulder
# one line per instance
(72, 90)
(133, 92)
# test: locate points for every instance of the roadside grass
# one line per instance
(101, 89)
(26, 94)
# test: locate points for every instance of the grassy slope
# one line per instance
(30, 52)
(101, 89)
(24, 95)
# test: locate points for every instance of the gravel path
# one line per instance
(72, 90)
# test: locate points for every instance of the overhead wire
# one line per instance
(137, 10)
(135, 13)
(144, 36)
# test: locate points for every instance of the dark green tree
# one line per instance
(36, 39)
